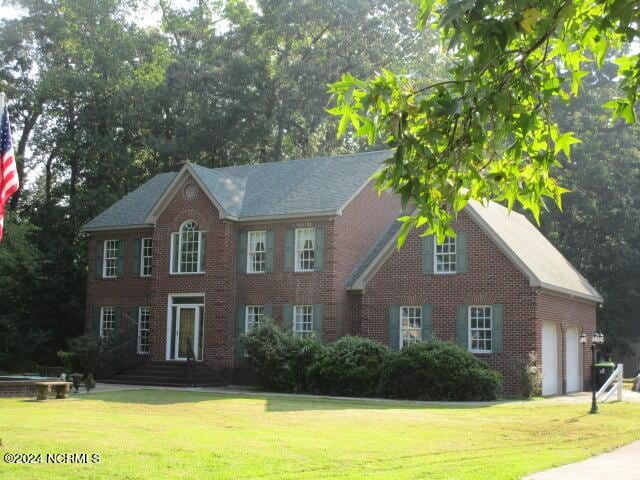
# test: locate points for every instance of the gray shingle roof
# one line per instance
(134, 207)
(295, 187)
(517, 237)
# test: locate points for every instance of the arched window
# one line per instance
(187, 247)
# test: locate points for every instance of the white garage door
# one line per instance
(573, 360)
(549, 359)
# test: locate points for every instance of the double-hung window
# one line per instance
(257, 252)
(480, 328)
(144, 314)
(303, 320)
(146, 256)
(110, 259)
(305, 249)
(445, 255)
(187, 249)
(410, 325)
(254, 314)
(107, 322)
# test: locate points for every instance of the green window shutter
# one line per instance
(99, 257)
(461, 253)
(132, 325)
(269, 253)
(289, 250)
(497, 320)
(319, 250)
(117, 321)
(175, 252)
(426, 323)
(427, 254)
(287, 317)
(120, 261)
(242, 252)
(240, 329)
(462, 329)
(203, 251)
(136, 256)
(268, 311)
(317, 321)
(95, 321)
(394, 327)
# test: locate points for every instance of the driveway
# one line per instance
(620, 464)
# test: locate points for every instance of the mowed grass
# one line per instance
(185, 435)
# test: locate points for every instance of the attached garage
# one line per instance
(549, 359)
(573, 360)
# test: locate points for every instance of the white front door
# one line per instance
(573, 360)
(549, 359)
(186, 331)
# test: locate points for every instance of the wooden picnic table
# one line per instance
(61, 388)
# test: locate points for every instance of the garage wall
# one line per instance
(566, 312)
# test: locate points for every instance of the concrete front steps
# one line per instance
(169, 374)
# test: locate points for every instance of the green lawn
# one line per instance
(171, 434)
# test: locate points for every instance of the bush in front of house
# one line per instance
(349, 367)
(354, 366)
(102, 357)
(529, 376)
(281, 359)
(438, 371)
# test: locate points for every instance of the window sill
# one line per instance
(445, 273)
(304, 271)
(256, 273)
(181, 274)
(481, 352)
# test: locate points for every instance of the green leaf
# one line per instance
(563, 143)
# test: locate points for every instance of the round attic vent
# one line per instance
(190, 191)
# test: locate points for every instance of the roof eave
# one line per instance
(87, 229)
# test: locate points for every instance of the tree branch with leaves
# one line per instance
(487, 132)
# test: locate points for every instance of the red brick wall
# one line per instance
(217, 284)
(127, 291)
(361, 224)
(491, 278)
(566, 312)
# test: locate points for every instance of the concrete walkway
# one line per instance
(620, 464)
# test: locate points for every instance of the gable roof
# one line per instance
(316, 186)
(131, 210)
(515, 235)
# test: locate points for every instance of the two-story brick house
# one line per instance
(199, 256)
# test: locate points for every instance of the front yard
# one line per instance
(171, 434)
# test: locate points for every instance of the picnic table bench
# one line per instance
(61, 388)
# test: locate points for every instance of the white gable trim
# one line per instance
(172, 189)
(373, 267)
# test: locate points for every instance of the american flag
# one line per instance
(8, 173)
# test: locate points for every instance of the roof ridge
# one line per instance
(280, 162)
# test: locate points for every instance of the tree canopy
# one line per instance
(486, 130)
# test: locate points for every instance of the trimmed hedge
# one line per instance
(349, 367)
(438, 371)
(359, 367)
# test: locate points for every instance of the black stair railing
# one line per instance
(191, 362)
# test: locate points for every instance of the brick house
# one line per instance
(197, 257)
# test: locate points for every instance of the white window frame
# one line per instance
(252, 252)
(106, 266)
(253, 316)
(300, 250)
(147, 311)
(448, 242)
(299, 312)
(112, 313)
(417, 314)
(177, 269)
(483, 329)
(143, 266)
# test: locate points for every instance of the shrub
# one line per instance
(529, 376)
(350, 367)
(281, 359)
(437, 371)
(103, 358)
